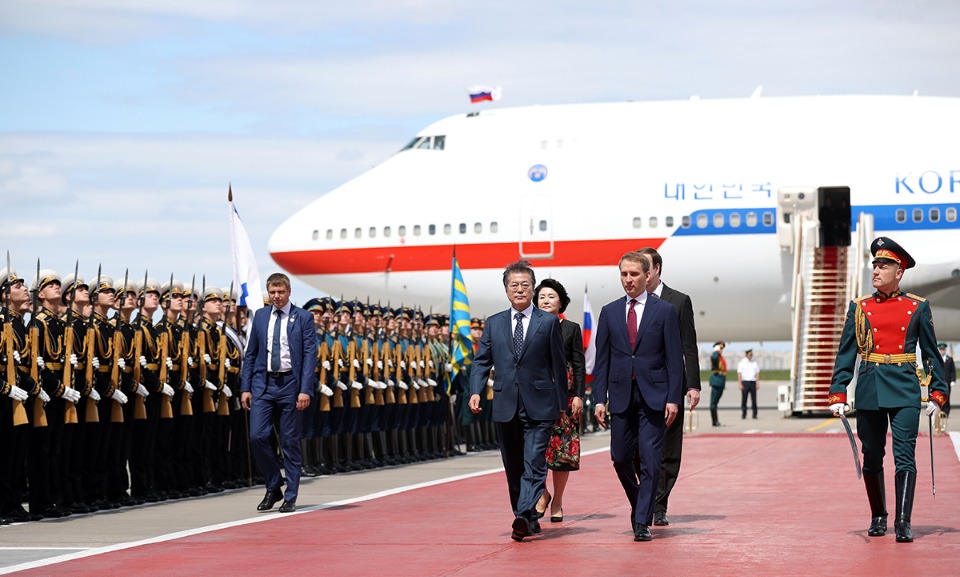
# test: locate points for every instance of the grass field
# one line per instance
(778, 375)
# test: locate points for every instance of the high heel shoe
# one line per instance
(557, 518)
(539, 513)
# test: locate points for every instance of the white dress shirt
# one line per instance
(285, 364)
(527, 313)
(638, 308)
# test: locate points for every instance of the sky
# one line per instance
(123, 123)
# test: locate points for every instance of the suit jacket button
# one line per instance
(633, 356)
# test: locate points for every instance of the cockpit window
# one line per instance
(427, 143)
(439, 142)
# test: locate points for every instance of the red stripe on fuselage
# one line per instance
(470, 256)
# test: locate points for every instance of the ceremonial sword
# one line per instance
(853, 444)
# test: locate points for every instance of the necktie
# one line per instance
(632, 323)
(518, 334)
(275, 347)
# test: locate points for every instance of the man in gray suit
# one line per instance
(524, 348)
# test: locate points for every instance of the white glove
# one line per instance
(422, 364)
(226, 363)
(356, 363)
(416, 385)
(932, 409)
(403, 365)
(187, 386)
(94, 395)
(73, 360)
(72, 395)
(390, 383)
(143, 361)
(342, 386)
(168, 390)
(18, 394)
(380, 385)
(326, 365)
(380, 365)
(356, 385)
(403, 385)
(838, 409)
(121, 364)
(210, 385)
(431, 382)
(489, 382)
(16, 355)
(190, 361)
(142, 391)
(43, 396)
(226, 391)
(95, 362)
(369, 362)
(448, 367)
(169, 364)
(207, 359)
(430, 364)
(326, 391)
(40, 363)
(453, 400)
(389, 363)
(340, 363)
(119, 397)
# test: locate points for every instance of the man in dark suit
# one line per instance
(639, 374)
(673, 442)
(524, 347)
(278, 377)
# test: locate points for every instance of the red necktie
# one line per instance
(632, 323)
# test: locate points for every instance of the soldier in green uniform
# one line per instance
(883, 331)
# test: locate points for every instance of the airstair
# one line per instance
(828, 266)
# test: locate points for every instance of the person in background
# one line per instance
(718, 379)
(748, 375)
(949, 375)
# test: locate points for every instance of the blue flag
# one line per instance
(462, 354)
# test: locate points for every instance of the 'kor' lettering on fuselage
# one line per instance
(929, 182)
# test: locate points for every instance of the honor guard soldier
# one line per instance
(437, 354)
(311, 446)
(885, 329)
(387, 342)
(172, 435)
(210, 338)
(237, 465)
(118, 479)
(18, 392)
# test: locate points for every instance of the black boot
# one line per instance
(713, 415)
(876, 495)
(906, 483)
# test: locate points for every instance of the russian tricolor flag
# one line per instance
(484, 93)
(589, 339)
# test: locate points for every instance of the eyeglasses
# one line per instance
(516, 285)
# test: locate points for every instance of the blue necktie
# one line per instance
(275, 348)
(518, 334)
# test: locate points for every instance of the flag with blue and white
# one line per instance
(462, 353)
(246, 276)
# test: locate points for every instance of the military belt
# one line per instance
(152, 367)
(53, 366)
(104, 369)
(890, 359)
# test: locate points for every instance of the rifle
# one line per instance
(90, 342)
(139, 405)
(33, 341)
(414, 371)
(323, 355)
(186, 407)
(223, 406)
(377, 394)
(337, 359)
(19, 413)
(70, 409)
(166, 406)
(398, 358)
(116, 411)
(352, 373)
(387, 360)
(208, 405)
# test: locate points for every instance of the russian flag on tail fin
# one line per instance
(484, 93)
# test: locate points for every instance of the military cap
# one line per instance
(213, 293)
(152, 286)
(68, 283)
(418, 314)
(941, 345)
(476, 323)
(228, 294)
(188, 291)
(47, 276)
(119, 288)
(387, 312)
(359, 307)
(431, 320)
(345, 307)
(313, 304)
(10, 278)
(720, 344)
(405, 313)
(106, 284)
(885, 249)
(177, 289)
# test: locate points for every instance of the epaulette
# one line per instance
(915, 297)
(864, 297)
(44, 315)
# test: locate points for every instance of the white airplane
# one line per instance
(705, 182)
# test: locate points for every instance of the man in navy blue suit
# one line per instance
(524, 347)
(278, 378)
(639, 366)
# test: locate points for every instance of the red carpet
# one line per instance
(766, 505)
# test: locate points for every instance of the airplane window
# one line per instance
(416, 230)
(701, 221)
(386, 231)
(951, 214)
(685, 222)
(637, 222)
(768, 219)
(669, 222)
(432, 229)
(463, 228)
(439, 142)
(316, 235)
(718, 220)
(918, 215)
(653, 222)
(751, 219)
(786, 218)
(477, 227)
(402, 230)
(373, 232)
(329, 234)
(411, 143)
(901, 216)
(543, 225)
(424, 143)
(357, 233)
(543, 144)
(494, 227)
(934, 215)
(343, 233)
(735, 219)
(446, 229)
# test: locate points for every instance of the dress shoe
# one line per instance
(535, 526)
(660, 518)
(55, 513)
(269, 500)
(521, 528)
(557, 518)
(878, 526)
(540, 513)
(288, 506)
(641, 533)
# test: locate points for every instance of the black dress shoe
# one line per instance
(269, 500)
(660, 518)
(288, 506)
(641, 533)
(878, 526)
(521, 528)
(535, 526)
